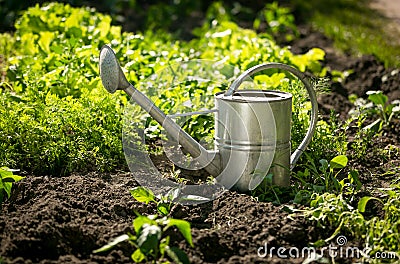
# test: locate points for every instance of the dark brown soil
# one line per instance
(63, 219)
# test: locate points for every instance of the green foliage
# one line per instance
(50, 135)
(312, 180)
(376, 109)
(267, 192)
(332, 135)
(165, 203)
(363, 203)
(7, 178)
(56, 116)
(278, 20)
(379, 233)
(151, 241)
(325, 178)
(59, 55)
(244, 48)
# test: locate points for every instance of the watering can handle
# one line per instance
(314, 112)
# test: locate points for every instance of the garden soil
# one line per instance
(63, 219)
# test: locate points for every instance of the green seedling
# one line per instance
(151, 241)
(164, 203)
(385, 111)
(331, 170)
(7, 178)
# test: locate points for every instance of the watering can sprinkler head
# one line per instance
(111, 73)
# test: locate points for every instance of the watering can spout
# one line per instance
(114, 79)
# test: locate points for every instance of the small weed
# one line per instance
(267, 192)
(377, 109)
(323, 177)
(151, 241)
(175, 175)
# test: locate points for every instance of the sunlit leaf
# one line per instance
(338, 162)
(112, 244)
(140, 221)
(45, 40)
(177, 255)
(137, 256)
(142, 194)
(184, 228)
(363, 202)
(149, 238)
(163, 208)
(377, 97)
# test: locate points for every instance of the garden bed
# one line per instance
(63, 219)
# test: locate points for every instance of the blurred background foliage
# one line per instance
(355, 28)
(138, 15)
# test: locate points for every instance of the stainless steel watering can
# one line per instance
(252, 127)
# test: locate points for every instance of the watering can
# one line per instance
(252, 127)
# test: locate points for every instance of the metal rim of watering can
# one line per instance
(313, 98)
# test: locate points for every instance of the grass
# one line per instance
(354, 27)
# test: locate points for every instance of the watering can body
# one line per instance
(252, 137)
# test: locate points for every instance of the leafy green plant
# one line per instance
(361, 141)
(151, 241)
(165, 203)
(330, 138)
(325, 174)
(7, 178)
(325, 179)
(377, 109)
